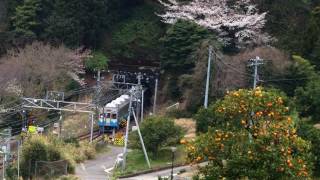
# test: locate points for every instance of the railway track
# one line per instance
(86, 136)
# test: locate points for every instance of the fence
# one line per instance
(50, 170)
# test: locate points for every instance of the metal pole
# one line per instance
(141, 140)
(18, 159)
(3, 166)
(142, 104)
(155, 97)
(60, 124)
(91, 129)
(208, 79)
(98, 77)
(126, 136)
(172, 165)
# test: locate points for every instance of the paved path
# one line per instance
(94, 169)
(188, 172)
(167, 172)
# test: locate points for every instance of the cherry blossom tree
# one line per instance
(38, 67)
(234, 21)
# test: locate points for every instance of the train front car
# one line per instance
(113, 113)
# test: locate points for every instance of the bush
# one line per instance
(157, 132)
(98, 62)
(40, 148)
(310, 133)
(253, 137)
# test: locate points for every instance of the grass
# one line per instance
(102, 148)
(137, 163)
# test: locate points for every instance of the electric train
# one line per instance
(113, 112)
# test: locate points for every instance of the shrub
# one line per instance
(310, 133)
(253, 136)
(157, 132)
(40, 148)
(98, 62)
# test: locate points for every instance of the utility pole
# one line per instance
(133, 95)
(18, 159)
(91, 128)
(142, 104)
(155, 96)
(60, 124)
(5, 149)
(141, 140)
(206, 97)
(127, 135)
(255, 63)
(138, 100)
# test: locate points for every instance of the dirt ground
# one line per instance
(189, 125)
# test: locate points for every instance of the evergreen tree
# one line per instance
(179, 42)
(26, 20)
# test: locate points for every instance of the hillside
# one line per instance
(260, 51)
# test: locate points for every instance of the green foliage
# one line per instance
(137, 37)
(157, 132)
(77, 22)
(73, 22)
(37, 148)
(308, 99)
(41, 148)
(286, 20)
(26, 18)
(253, 137)
(310, 133)
(299, 73)
(307, 87)
(98, 61)
(179, 42)
(236, 107)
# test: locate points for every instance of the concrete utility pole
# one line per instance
(141, 140)
(91, 128)
(155, 96)
(5, 149)
(19, 146)
(255, 63)
(127, 135)
(142, 104)
(60, 124)
(206, 97)
(134, 94)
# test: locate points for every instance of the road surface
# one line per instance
(94, 169)
(167, 172)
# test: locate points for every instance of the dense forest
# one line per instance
(43, 44)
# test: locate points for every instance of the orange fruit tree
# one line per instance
(252, 135)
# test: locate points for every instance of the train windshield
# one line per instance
(108, 115)
(114, 116)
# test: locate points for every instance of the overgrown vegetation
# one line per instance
(157, 132)
(48, 149)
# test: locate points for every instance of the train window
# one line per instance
(108, 115)
(114, 116)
